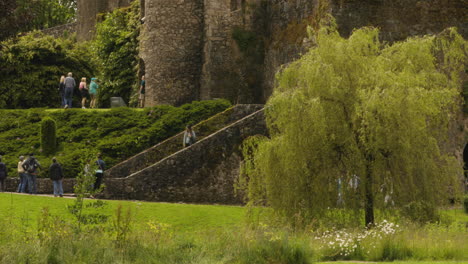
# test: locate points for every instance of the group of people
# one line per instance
(67, 88)
(28, 170)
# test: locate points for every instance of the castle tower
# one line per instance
(171, 48)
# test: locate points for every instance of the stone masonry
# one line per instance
(202, 173)
(172, 43)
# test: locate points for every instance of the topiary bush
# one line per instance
(48, 136)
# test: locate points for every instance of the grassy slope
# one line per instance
(181, 217)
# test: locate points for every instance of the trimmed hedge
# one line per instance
(48, 136)
(117, 133)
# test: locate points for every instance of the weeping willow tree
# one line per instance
(358, 124)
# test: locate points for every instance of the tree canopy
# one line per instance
(24, 15)
(359, 124)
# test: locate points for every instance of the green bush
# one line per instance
(116, 54)
(31, 66)
(48, 136)
(421, 212)
(116, 133)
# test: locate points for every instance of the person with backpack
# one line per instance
(99, 172)
(22, 176)
(3, 175)
(70, 85)
(31, 166)
(56, 175)
(189, 136)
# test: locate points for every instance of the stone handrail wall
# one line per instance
(44, 185)
(202, 173)
(174, 144)
(59, 31)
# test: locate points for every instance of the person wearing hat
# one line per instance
(93, 86)
(56, 175)
(3, 175)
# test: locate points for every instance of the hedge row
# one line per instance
(116, 133)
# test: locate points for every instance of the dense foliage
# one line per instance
(48, 136)
(31, 66)
(359, 124)
(24, 15)
(116, 133)
(115, 49)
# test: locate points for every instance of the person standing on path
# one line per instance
(31, 166)
(22, 176)
(56, 175)
(3, 175)
(93, 86)
(141, 95)
(99, 172)
(189, 136)
(62, 90)
(70, 85)
(84, 92)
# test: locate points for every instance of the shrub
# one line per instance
(31, 66)
(116, 133)
(48, 136)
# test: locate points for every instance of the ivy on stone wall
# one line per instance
(116, 49)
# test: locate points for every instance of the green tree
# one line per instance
(359, 108)
(31, 66)
(116, 49)
(24, 15)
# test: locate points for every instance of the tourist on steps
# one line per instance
(141, 95)
(101, 166)
(56, 175)
(31, 166)
(22, 176)
(70, 85)
(3, 175)
(93, 86)
(189, 136)
(61, 89)
(84, 92)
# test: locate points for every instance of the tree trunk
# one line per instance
(369, 199)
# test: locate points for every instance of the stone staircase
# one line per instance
(202, 173)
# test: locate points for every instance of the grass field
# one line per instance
(181, 217)
(193, 234)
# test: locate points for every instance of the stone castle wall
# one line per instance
(88, 11)
(171, 47)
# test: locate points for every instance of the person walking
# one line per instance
(70, 85)
(99, 172)
(22, 176)
(31, 166)
(93, 86)
(141, 95)
(56, 175)
(84, 92)
(189, 136)
(62, 90)
(3, 175)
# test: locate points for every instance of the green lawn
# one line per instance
(397, 262)
(181, 217)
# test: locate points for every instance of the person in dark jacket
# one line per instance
(31, 166)
(101, 166)
(3, 175)
(56, 175)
